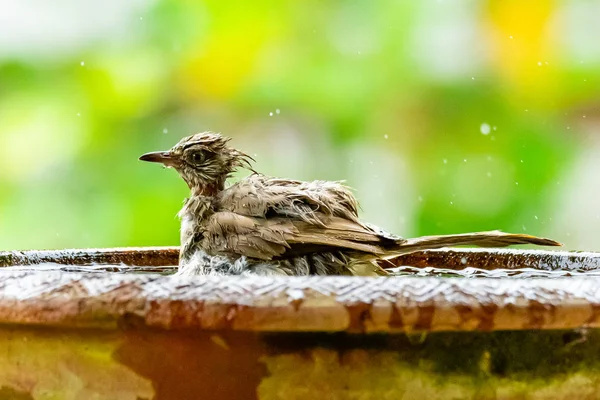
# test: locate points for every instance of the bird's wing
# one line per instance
(261, 196)
(274, 238)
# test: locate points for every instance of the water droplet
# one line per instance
(463, 260)
(523, 227)
(535, 216)
(277, 111)
(451, 203)
(495, 128)
(521, 161)
(583, 116)
(516, 183)
(445, 161)
(78, 114)
(539, 63)
(472, 78)
(465, 160)
(82, 63)
(165, 130)
(385, 136)
(270, 114)
(141, 18)
(420, 198)
(510, 36)
(489, 174)
(485, 128)
(568, 127)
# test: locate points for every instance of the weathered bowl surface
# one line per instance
(94, 334)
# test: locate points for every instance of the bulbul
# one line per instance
(270, 226)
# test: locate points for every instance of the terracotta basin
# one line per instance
(112, 324)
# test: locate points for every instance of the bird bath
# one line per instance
(110, 324)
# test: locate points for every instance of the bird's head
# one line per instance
(203, 160)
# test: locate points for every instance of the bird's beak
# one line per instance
(163, 157)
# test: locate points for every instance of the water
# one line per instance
(458, 262)
(467, 272)
(95, 268)
(471, 272)
(485, 128)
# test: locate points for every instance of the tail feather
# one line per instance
(481, 239)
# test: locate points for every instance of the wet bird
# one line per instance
(270, 226)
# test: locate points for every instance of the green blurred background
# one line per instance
(446, 116)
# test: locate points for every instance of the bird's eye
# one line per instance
(197, 157)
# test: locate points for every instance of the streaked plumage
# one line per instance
(271, 226)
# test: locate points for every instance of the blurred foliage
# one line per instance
(446, 116)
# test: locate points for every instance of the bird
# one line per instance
(271, 226)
